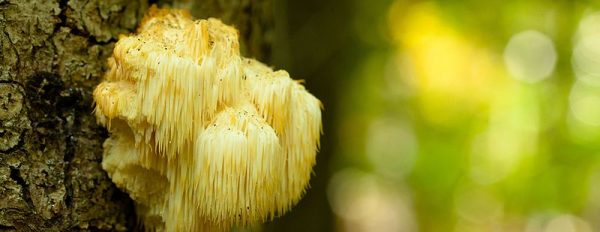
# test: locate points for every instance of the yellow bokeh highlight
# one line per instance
(453, 76)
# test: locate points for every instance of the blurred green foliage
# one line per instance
(465, 143)
(449, 115)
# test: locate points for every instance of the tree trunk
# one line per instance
(52, 54)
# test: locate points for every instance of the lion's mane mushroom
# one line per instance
(202, 138)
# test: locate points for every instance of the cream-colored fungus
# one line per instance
(200, 137)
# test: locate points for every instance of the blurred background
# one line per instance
(448, 115)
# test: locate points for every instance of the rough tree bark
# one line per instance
(52, 54)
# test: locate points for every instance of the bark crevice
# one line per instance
(53, 55)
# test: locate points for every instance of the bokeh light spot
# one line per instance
(363, 202)
(391, 147)
(585, 103)
(530, 56)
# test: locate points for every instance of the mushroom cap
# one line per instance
(200, 136)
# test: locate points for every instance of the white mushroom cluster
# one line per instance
(200, 137)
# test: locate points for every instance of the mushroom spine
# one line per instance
(200, 137)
